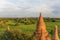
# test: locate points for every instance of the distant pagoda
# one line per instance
(41, 31)
(8, 28)
(56, 33)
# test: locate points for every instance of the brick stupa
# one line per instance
(56, 33)
(41, 31)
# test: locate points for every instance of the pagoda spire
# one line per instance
(41, 23)
(56, 33)
(41, 31)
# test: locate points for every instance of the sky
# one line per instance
(29, 8)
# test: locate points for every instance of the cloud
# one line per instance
(27, 8)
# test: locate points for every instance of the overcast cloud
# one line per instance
(29, 8)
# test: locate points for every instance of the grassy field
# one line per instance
(32, 27)
(27, 25)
